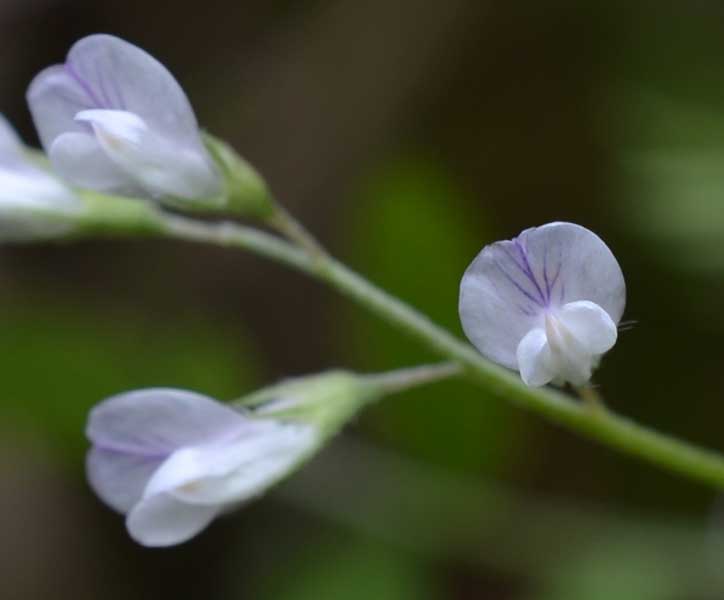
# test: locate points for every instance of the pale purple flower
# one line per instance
(172, 460)
(546, 304)
(33, 203)
(113, 119)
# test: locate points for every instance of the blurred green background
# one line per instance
(406, 135)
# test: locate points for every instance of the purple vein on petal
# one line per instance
(555, 280)
(528, 312)
(132, 450)
(527, 269)
(519, 287)
(550, 283)
(545, 274)
(83, 84)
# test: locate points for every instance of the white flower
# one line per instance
(33, 203)
(113, 119)
(546, 304)
(172, 460)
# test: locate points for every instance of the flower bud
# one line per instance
(172, 460)
(114, 120)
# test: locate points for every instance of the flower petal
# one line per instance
(104, 76)
(258, 467)
(534, 359)
(498, 303)
(163, 520)
(590, 325)
(34, 206)
(588, 269)
(54, 98)
(24, 186)
(155, 422)
(160, 168)
(106, 72)
(81, 160)
(236, 469)
(33, 203)
(119, 478)
(570, 359)
(510, 285)
(121, 76)
(10, 143)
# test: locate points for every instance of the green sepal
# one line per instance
(245, 191)
(115, 215)
(326, 401)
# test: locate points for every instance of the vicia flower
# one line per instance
(33, 203)
(113, 119)
(173, 460)
(546, 304)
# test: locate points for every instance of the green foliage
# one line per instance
(355, 571)
(669, 140)
(414, 233)
(672, 187)
(617, 571)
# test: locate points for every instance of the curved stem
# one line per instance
(603, 425)
(294, 231)
(405, 379)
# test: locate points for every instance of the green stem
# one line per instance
(294, 231)
(405, 379)
(603, 425)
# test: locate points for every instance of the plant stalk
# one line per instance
(603, 425)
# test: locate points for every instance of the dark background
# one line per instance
(406, 135)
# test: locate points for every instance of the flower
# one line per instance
(546, 303)
(33, 203)
(172, 460)
(113, 119)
